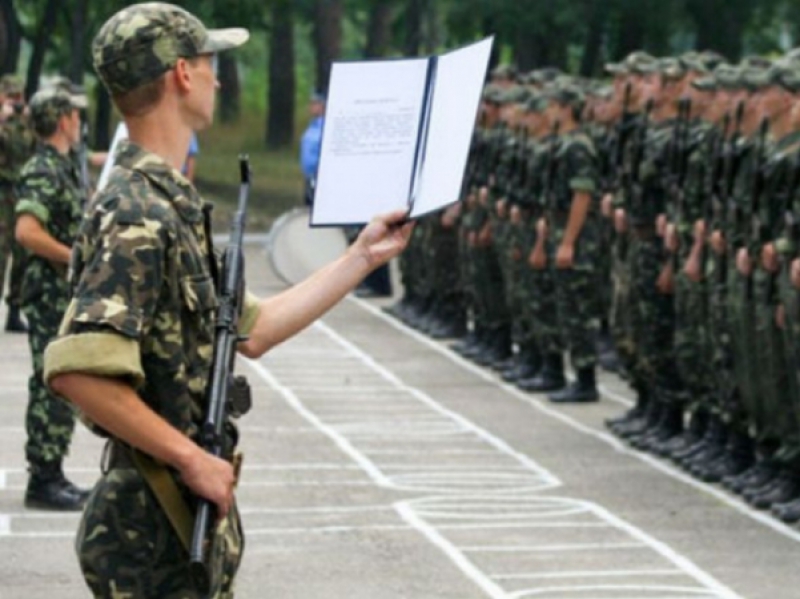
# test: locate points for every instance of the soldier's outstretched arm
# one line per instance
(284, 315)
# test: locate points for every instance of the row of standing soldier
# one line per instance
(652, 225)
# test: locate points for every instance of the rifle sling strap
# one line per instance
(169, 497)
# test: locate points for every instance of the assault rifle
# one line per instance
(792, 225)
(228, 396)
(678, 163)
(631, 178)
(729, 168)
(83, 159)
(758, 230)
(550, 166)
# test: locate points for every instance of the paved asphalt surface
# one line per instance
(379, 465)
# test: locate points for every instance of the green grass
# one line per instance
(277, 183)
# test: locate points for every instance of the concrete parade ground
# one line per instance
(381, 465)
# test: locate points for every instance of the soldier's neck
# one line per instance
(58, 142)
(159, 133)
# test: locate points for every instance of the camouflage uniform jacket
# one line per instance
(576, 170)
(780, 189)
(49, 190)
(17, 144)
(143, 302)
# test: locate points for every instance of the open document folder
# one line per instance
(397, 135)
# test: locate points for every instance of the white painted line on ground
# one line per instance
(686, 592)
(326, 530)
(606, 438)
(457, 557)
(550, 548)
(588, 574)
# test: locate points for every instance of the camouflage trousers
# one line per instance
(654, 322)
(623, 317)
(127, 548)
(790, 298)
(772, 385)
(49, 421)
(490, 288)
(443, 267)
(576, 295)
(10, 251)
(693, 348)
(412, 264)
(741, 314)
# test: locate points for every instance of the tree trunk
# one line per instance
(230, 88)
(78, 41)
(720, 25)
(631, 33)
(327, 38)
(379, 33)
(102, 118)
(43, 35)
(280, 116)
(598, 15)
(415, 12)
(10, 37)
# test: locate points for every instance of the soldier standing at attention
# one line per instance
(49, 211)
(573, 238)
(17, 143)
(135, 348)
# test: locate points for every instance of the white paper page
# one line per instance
(119, 135)
(369, 140)
(460, 78)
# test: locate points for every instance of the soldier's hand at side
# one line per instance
(699, 231)
(780, 316)
(607, 205)
(795, 273)
(620, 221)
(769, 258)
(661, 225)
(538, 257)
(501, 207)
(483, 196)
(565, 256)
(450, 216)
(718, 243)
(515, 216)
(743, 262)
(485, 236)
(671, 241)
(211, 478)
(666, 280)
(693, 269)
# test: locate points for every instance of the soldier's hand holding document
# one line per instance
(397, 135)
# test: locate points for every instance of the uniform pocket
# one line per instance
(198, 293)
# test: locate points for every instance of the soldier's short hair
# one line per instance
(48, 106)
(140, 43)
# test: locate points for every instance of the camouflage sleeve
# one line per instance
(37, 190)
(583, 170)
(123, 269)
(250, 311)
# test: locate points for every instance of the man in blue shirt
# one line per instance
(310, 145)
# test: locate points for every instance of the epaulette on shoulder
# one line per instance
(582, 140)
(128, 208)
(37, 166)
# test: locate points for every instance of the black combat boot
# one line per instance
(788, 512)
(528, 364)
(583, 390)
(642, 426)
(738, 457)
(498, 348)
(14, 322)
(786, 488)
(452, 324)
(637, 411)
(671, 428)
(49, 489)
(550, 378)
(607, 356)
(714, 448)
(698, 423)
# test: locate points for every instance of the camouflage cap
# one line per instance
(545, 75)
(755, 61)
(787, 75)
(11, 85)
(672, 69)
(755, 79)
(537, 103)
(143, 41)
(492, 94)
(727, 77)
(793, 55)
(638, 63)
(49, 105)
(569, 95)
(515, 95)
(504, 71)
(708, 83)
(78, 92)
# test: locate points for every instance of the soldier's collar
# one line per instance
(175, 186)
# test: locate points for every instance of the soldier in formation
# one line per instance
(648, 223)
